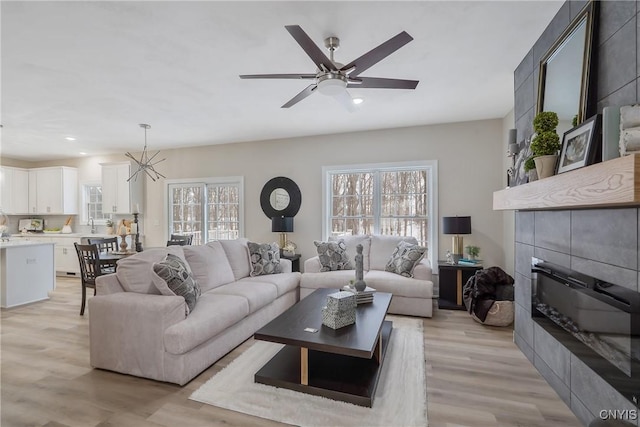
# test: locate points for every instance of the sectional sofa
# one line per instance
(134, 329)
(412, 296)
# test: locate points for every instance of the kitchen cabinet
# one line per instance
(118, 195)
(53, 191)
(26, 272)
(65, 257)
(14, 190)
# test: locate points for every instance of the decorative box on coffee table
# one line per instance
(340, 310)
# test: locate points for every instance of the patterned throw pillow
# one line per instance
(404, 258)
(333, 255)
(177, 276)
(265, 258)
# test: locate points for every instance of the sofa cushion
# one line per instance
(383, 281)
(330, 279)
(351, 242)
(258, 294)
(382, 247)
(333, 255)
(238, 256)
(284, 282)
(209, 265)
(265, 258)
(214, 314)
(135, 273)
(404, 259)
(173, 275)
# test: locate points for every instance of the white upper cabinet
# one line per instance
(118, 195)
(14, 190)
(53, 191)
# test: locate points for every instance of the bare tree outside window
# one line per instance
(207, 211)
(392, 202)
(93, 202)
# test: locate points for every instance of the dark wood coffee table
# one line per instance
(342, 364)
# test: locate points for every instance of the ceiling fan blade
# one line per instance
(379, 83)
(344, 99)
(377, 54)
(278, 76)
(302, 95)
(312, 49)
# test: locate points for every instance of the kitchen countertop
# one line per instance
(21, 243)
(74, 235)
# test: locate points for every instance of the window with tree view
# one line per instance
(391, 200)
(206, 210)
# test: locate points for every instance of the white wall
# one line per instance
(470, 159)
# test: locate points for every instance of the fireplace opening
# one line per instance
(597, 321)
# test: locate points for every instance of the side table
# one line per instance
(295, 261)
(452, 278)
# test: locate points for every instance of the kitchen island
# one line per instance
(27, 272)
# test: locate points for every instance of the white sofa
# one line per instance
(135, 330)
(411, 296)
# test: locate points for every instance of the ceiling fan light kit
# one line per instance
(333, 78)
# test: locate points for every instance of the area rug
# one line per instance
(400, 398)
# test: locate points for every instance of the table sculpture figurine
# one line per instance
(360, 284)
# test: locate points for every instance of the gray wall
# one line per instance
(599, 242)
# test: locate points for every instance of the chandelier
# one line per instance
(146, 163)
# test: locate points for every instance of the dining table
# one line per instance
(110, 259)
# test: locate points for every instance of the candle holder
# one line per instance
(136, 240)
(123, 243)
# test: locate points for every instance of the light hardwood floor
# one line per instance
(476, 377)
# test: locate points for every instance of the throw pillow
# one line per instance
(175, 274)
(404, 258)
(333, 255)
(265, 258)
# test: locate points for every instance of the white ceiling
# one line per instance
(95, 70)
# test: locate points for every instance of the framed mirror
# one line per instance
(280, 196)
(566, 71)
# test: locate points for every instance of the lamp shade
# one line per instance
(456, 225)
(282, 224)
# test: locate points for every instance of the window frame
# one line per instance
(84, 212)
(431, 168)
(227, 180)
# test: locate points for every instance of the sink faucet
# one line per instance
(93, 227)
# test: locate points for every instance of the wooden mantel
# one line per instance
(613, 183)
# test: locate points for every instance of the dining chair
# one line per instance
(181, 240)
(88, 256)
(105, 244)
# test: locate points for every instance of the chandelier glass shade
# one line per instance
(145, 163)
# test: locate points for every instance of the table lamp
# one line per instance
(282, 225)
(456, 225)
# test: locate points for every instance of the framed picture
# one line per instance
(580, 145)
(519, 176)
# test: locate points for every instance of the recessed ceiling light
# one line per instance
(82, 153)
(70, 138)
(358, 101)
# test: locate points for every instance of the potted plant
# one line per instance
(546, 143)
(473, 251)
(109, 226)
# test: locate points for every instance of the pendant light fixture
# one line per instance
(145, 163)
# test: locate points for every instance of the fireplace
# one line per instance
(598, 322)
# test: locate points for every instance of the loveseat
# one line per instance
(134, 329)
(411, 295)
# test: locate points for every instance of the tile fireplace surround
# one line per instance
(599, 242)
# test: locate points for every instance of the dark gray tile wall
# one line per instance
(600, 242)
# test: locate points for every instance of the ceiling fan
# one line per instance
(333, 78)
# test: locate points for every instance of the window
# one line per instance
(209, 209)
(392, 199)
(92, 203)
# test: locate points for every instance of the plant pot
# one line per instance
(109, 230)
(533, 175)
(546, 165)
